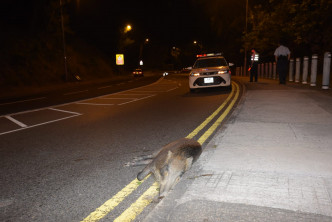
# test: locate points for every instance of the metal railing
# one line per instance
(298, 68)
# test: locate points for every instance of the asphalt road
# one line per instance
(61, 162)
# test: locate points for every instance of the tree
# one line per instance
(304, 24)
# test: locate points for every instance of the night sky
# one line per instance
(166, 23)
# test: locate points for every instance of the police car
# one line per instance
(210, 70)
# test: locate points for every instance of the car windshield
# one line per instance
(210, 62)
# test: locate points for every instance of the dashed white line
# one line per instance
(117, 98)
(95, 104)
(40, 124)
(172, 89)
(16, 121)
(105, 87)
(22, 101)
(64, 111)
(77, 92)
(120, 104)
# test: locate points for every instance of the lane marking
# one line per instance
(22, 101)
(104, 87)
(77, 92)
(109, 205)
(40, 124)
(214, 126)
(144, 200)
(118, 98)
(150, 91)
(202, 125)
(16, 121)
(136, 208)
(64, 111)
(120, 104)
(171, 89)
(96, 104)
(131, 94)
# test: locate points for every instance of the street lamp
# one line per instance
(64, 43)
(245, 46)
(146, 41)
(127, 28)
(199, 45)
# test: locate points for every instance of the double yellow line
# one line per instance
(145, 199)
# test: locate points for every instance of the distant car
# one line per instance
(210, 70)
(138, 72)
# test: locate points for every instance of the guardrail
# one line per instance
(297, 67)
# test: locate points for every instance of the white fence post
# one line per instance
(326, 70)
(297, 71)
(313, 75)
(305, 70)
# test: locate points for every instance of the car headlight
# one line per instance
(194, 74)
(223, 72)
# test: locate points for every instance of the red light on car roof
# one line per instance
(201, 55)
(210, 54)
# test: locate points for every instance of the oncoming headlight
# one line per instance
(223, 72)
(194, 74)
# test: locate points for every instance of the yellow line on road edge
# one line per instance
(137, 207)
(144, 200)
(109, 205)
(214, 126)
(200, 127)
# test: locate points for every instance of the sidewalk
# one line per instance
(272, 161)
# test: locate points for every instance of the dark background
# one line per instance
(32, 34)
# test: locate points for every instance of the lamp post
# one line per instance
(199, 45)
(245, 47)
(146, 41)
(64, 43)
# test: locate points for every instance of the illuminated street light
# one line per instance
(199, 45)
(127, 28)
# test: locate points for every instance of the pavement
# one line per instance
(271, 161)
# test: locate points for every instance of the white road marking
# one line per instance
(117, 98)
(22, 101)
(16, 121)
(95, 104)
(172, 89)
(40, 124)
(77, 92)
(104, 87)
(135, 100)
(64, 111)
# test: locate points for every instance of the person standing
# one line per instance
(253, 65)
(282, 56)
